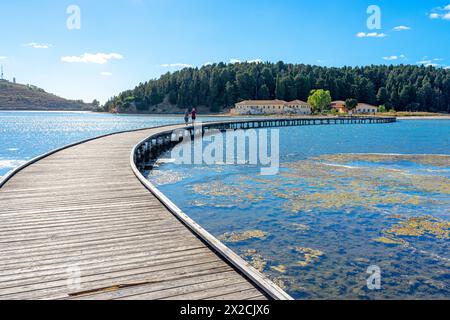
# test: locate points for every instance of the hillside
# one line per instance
(218, 86)
(26, 97)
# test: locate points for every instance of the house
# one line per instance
(364, 108)
(265, 107)
(297, 107)
(339, 106)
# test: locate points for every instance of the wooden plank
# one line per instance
(145, 288)
(108, 280)
(44, 259)
(106, 265)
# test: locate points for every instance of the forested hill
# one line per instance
(14, 96)
(404, 87)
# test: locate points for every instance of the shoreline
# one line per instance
(425, 118)
(226, 115)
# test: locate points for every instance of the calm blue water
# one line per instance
(347, 197)
(25, 135)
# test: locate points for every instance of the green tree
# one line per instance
(319, 100)
(351, 104)
(264, 93)
(382, 96)
(405, 96)
(303, 87)
(96, 104)
(230, 94)
(280, 89)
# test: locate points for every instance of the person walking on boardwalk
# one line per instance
(186, 117)
(194, 115)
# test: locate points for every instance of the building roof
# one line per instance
(338, 102)
(366, 105)
(295, 102)
(260, 102)
(270, 102)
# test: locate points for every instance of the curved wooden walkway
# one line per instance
(83, 211)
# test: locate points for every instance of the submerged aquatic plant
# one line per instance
(425, 226)
(423, 159)
(255, 259)
(160, 177)
(243, 236)
(390, 241)
(421, 226)
(301, 227)
(309, 255)
(280, 268)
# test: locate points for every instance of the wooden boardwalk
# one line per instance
(83, 210)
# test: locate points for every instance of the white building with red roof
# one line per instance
(270, 107)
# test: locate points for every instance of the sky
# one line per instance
(94, 49)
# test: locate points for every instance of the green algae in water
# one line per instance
(309, 256)
(243, 236)
(330, 218)
(427, 226)
(389, 241)
(423, 159)
(255, 259)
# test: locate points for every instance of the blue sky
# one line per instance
(124, 42)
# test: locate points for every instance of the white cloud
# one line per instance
(35, 45)
(106, 74)
(371, 35)
(176, 65)
(440, 13)
(402, 28)
(393, 58)
(3, 58)
(98, 58)
(434, 16)
(447, 68)
(427, 63)
(233, 61)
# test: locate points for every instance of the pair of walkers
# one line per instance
(192, 115)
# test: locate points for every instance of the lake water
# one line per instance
(25, 135)
(348, 199)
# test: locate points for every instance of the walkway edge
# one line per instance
(244, 267)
